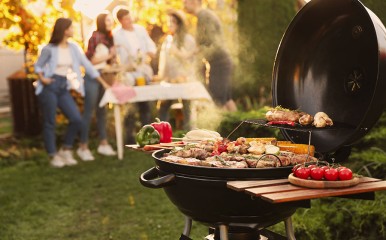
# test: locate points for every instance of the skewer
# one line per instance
(159, 146)
(187, 139)
(173, 144)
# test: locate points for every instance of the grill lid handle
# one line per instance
(151, 179)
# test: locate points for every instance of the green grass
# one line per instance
(93, 200)
(5, 125)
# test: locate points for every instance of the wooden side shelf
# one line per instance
(280, 190)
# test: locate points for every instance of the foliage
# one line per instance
(261, 26)
(30, 24)
(152, 12)
(231, 122)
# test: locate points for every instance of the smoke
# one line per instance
(205, 115)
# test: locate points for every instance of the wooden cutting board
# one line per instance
(322, 184)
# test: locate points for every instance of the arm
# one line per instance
(187, 50)
(91, 70)
(39, 65)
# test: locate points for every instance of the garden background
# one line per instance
(104, 200)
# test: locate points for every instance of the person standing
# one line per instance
(58, 68)
(100, 51)
(134, 48)
(175, 64)
(209, 38)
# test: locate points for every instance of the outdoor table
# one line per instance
(162, 91)
(281, 190)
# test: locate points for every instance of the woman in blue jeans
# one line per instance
(100, 51)
(58, 68)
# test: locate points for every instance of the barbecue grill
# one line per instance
(332, 58)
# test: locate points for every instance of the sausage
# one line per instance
(280, 115)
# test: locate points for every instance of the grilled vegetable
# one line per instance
(271, 149)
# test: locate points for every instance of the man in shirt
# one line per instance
(134, 48)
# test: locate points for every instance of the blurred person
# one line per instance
(175, 65)
(100, 51)
(134, 49)
(58, 68)
(209, 38)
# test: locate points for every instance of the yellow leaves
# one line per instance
(4, 154)
(11, 151)
(144, 236)
(105, 220)
(131, 200)
(36, 25)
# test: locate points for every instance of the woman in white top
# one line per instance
(176, 61)
(59, 70)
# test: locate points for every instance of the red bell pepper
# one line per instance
(164, 129)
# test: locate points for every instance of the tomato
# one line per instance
(296, 167)
(222, 148)
(325, 167)
(331, 174)
(311, 166)
(340, 168)
(345, 174)
(302, 172)
(317, 173)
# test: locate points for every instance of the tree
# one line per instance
(30, 24)
(30, 21)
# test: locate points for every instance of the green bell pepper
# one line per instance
(147, 135)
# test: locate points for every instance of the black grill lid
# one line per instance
(332, 58)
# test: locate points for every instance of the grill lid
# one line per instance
(332, 58)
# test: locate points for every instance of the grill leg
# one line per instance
(188, 226)
(289, 229)
(223, 232)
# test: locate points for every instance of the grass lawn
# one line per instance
(102, 199)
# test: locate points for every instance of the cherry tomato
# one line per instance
(331, 174)
(345, 174)
(317, 173)
(296, 167)
(302, 172)
(325, 167)
(340, 168)
(222, 148)
(311, 166)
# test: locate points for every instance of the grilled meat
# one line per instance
(282, 115)
(193, 152)
(321, 119)
(306, 119)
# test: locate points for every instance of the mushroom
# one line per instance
(321, 119)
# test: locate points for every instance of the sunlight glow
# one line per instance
(91, 8)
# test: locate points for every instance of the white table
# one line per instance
(162, 91)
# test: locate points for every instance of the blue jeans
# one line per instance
(93, 94)
(53, 96)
